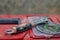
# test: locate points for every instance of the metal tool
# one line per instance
(41, 24)
(24, 27)
(27, 26)
(10, 21)
(18, 29)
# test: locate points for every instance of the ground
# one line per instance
(29, 6)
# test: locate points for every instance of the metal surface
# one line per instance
(37, 20)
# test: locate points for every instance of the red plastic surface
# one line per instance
(27, 35)
(4, 27)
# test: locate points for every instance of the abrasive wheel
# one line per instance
(49, 28)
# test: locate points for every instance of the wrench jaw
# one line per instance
(9, 32)
(14, 30)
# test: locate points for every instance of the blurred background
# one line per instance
(29, 6)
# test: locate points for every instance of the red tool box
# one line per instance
(29, 34)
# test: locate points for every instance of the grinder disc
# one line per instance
(49, 28)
